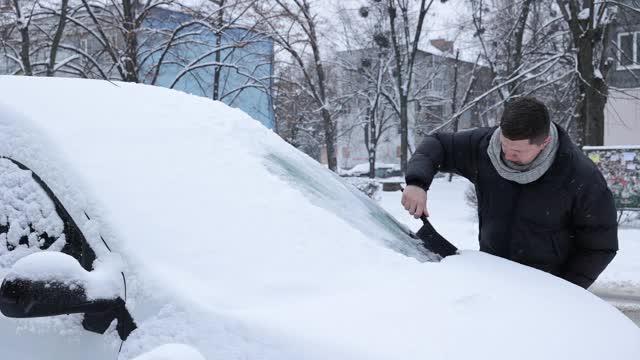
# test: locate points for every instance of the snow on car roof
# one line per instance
(243, 247)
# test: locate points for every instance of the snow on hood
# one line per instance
(237, 244)
(172, 352)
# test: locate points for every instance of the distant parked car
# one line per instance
(382, 170)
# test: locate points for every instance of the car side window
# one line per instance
(30, 219)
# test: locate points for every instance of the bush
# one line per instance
(470, 197)
(372, 188)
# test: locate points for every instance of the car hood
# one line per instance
(238, 244)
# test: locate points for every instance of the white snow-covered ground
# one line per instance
(456, 221)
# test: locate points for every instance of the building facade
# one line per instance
(622, 112)
(430, 104)
(244, 64)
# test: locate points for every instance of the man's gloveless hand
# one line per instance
(414, 200)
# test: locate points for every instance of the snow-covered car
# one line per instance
(140, 222)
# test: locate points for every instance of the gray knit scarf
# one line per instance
(523, 174)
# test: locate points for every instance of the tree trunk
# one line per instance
(593, 88)
(404, 133)
(403, 83)
(130, 59)
(454, 98)
(594, 94)
(372, 163)
(329, 134)
(594, 114)
(371, 137)
(25, 44)
(217, 70)
(323, 100)
(517, 53)
(57, 38)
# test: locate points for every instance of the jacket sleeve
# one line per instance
(595, 231)
(446, 152)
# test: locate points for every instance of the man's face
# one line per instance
(521, 152)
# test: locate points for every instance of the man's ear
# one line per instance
(546, 141)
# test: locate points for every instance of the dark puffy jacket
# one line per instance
(563, 223)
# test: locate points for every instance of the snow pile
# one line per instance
(623, 274)
(60, 268)
(239, 246)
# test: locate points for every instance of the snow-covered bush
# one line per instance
(470, 197)
(371, 187)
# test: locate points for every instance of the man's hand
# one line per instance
(414, 200)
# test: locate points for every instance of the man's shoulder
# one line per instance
(477, 134)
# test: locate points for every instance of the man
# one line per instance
(541, 201)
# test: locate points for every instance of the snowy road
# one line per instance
(627, 303)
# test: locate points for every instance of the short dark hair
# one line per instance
(525, 118)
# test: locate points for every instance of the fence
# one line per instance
(620, 166)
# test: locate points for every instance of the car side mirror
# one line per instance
(32, 298)
(54, 283)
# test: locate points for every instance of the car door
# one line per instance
(33, 220)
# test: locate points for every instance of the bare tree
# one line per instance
(363, 88)
(523, 45)
(557, 50)
(456, 101)
(371, 78)
(23, 20)
(294, 28)
(57, 37)
(405, 39)
(35, 49)
(297, 120)
(116, 29)
(239, 48)
(366, 65)
(589, 24)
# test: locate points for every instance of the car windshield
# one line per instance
(328, 191)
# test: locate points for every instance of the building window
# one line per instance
(435, 84)
(432, 115)
(429, 85)
(346, 152)
(438, 85)
(429, 61)
(113, 39)
(84, 45)
(628, 55)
